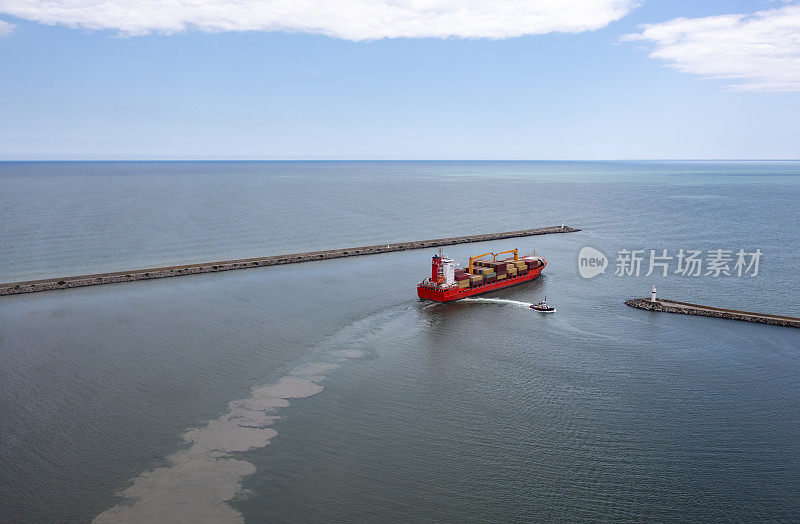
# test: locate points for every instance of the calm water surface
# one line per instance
(327, 392)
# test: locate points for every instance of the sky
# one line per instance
(399, 79)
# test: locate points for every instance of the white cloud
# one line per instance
(347, 19)
(760, 52)
(5, 28)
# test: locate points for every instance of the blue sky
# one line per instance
(93, 86)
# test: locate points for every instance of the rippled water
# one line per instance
(326, 391)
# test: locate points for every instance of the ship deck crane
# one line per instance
(515, 251)
(494, 257)
(473, 259)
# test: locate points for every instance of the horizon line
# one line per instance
(404, 160)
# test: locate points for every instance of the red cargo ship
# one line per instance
(449, 282)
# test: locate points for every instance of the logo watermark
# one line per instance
(591, 262)
(685, 262)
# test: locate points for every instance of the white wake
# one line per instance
(498, 301)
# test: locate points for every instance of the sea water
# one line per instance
(326, 391)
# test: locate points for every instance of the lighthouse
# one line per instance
(653, 294)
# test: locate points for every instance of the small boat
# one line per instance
(543, 307)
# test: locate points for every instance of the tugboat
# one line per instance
(542, 307)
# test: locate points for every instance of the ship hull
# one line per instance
(436, 294)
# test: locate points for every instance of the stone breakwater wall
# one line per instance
(49, 284)
(686, 308)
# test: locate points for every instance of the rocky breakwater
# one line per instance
(687, 308)
(50, 284)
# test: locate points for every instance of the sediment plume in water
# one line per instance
(199, 481)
